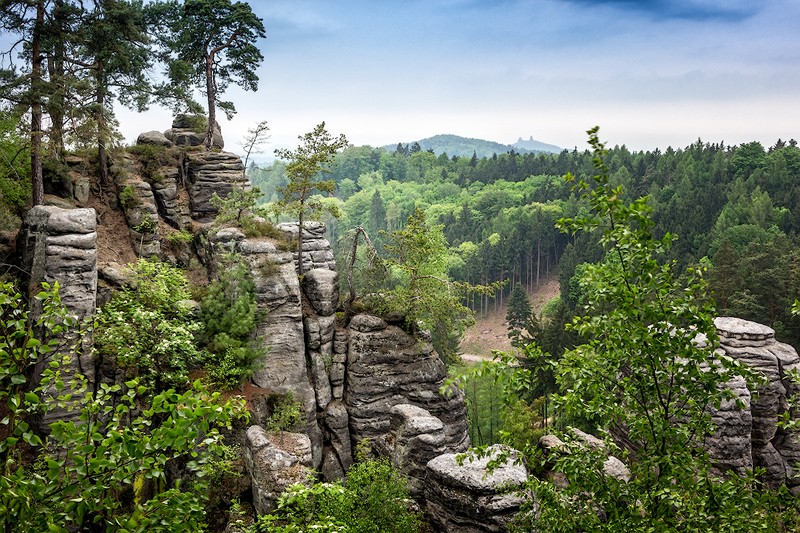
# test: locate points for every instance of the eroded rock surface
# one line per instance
(275, 461)
(60, 245)
(773, 448)
(414, 438)
(209, 173)
(317, 252)
(467, 498)
(385, 367)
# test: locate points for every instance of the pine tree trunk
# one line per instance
(37, 181)
(100, 118)
(211, 92)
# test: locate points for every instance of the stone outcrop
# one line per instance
(385, 367)
(415, 437)
(773, 448)
(165, 191)
(317, 252)
(185, 132)
(347, 379)
(139, 205)
(155, 138)
(60, 245)
(275, 461)
(208, 173)
(283, 370)
(468, 498)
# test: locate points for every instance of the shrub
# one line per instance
(286, 413)
(230, 315)
(373, 499)
(148, 329)
(82, 477)
(128, 198)
(152, 158)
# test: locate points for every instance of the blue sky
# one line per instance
(650, 73)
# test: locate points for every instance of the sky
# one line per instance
(650, 73)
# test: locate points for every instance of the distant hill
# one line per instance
(536, 146)
(463, 146)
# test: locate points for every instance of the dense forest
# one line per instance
(736, 205)
(648, 248)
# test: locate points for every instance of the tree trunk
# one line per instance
(37, 182)
(211, 92)
(100, 118)
(300, 240)
(538, 260)
(57, 99)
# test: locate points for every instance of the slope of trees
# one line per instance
(499, 213)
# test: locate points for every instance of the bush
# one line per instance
(148, 329)
(372, 499)
(286, 414)
(85, 474)
(152, 158)
(128, 198)
(230, 316)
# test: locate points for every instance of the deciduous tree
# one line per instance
(304, 168)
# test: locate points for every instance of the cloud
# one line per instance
(693, 10)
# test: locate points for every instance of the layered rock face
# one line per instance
(208, 173)
(184, 132)
(772, 448)
(414, 438)
(317, 252)
(283, 370)
(275, 461)
(141, 213)
(467, 498)
(385, 367)
(60, 245)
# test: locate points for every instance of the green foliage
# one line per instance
(179, 237)
(152, 158)
(148, 329)
(643, 374)
(237, 206)
(85, 472)
(417, 258)
(15, 187)
(146, 226)
(195, 122)
(229, 315)
(128, 198)
(372, 499)
(209, 44)
(304, 166)
(285, 413)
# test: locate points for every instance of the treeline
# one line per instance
(736, 205)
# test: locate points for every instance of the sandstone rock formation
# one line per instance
(773, 448)
(467, 498)
(210, 172)
(415, 437)
(59, 245)
(317, 252)
(185, 132)
(139, 205)
(284, 369)
(385, 367)
(275, 461)
(153, 137)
